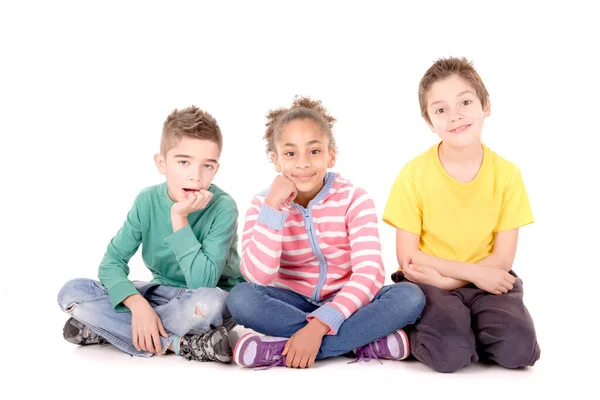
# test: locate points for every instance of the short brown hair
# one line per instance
(302, 108)
(191, 122)
(442, 69)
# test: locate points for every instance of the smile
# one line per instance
(304, 177)
(459, 129)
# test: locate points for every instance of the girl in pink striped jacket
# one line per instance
(312, 257)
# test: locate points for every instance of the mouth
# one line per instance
(188, 191)
(303, 177)
(460, 129)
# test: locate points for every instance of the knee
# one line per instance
(445, 354)
(409, 299)
(519, 350)
(208, 304)
(239, 299)
(78, 290)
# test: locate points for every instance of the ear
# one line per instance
(332, 158)
(161, 163)
(275, 160)
(488, 110)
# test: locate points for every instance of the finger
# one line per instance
(312, 360)
(508, 286)
(290, 357)
(162, 330)
(142, 340)
(157, 343)
(149, 344)
(136, 343)
(199, 199)
(286, 347)
(304, 361)
(511, 279)
(417, 268)
(296, 361)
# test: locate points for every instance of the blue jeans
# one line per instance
(280, 312)
(87, 301)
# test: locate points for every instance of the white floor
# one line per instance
(42, 363)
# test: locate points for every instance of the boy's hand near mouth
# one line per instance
(196, 200)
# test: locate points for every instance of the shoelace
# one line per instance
(267, 357)
(366, 354)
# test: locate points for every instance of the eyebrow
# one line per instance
(309, 143)
(186, 156)
(458, 95)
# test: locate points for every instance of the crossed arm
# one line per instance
(489, 274)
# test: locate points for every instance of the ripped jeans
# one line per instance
(179, 309)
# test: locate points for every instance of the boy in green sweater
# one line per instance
(188, 231)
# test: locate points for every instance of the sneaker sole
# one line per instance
(405, 344)
(238, 347)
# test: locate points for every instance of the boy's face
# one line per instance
(189, 166)
(303, 155)
(455, 111)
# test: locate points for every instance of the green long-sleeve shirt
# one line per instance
(202, 254)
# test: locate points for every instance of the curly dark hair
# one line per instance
(302, 108)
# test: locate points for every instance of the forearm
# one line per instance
(178, 221)
(201, 265)
(457, 270)
(496, 261)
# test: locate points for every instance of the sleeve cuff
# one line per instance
(182, 241)
(330, 316)
(272, 217)
(120, 292)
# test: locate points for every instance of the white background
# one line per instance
(84, 89)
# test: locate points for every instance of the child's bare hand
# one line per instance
(493, 280)
(422, 274)
(283, 191)
(301, 349)
(146, 326)
(195, 201)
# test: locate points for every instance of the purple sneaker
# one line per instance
(253, 350)
(394, 346)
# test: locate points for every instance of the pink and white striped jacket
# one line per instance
(329, 252)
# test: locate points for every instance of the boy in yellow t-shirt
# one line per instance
(457, 209)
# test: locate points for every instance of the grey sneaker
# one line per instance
(211, 346)
(77, 333)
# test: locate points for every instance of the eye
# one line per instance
(290, 154)
(466, 102)
(209, 166)
(439, 111)
(315, 152)
(184, 162)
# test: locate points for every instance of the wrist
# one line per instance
(318, 327)
(134, 302)
(272, 204)
(178, 221)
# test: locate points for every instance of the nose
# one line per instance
(303, 161)
(195, 174)
(455, 114)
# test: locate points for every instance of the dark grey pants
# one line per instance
(468, 324)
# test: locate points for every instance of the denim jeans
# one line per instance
(280, 312)
(87, 301)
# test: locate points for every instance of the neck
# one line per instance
(471, 154)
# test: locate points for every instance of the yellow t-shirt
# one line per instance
(455, 220)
